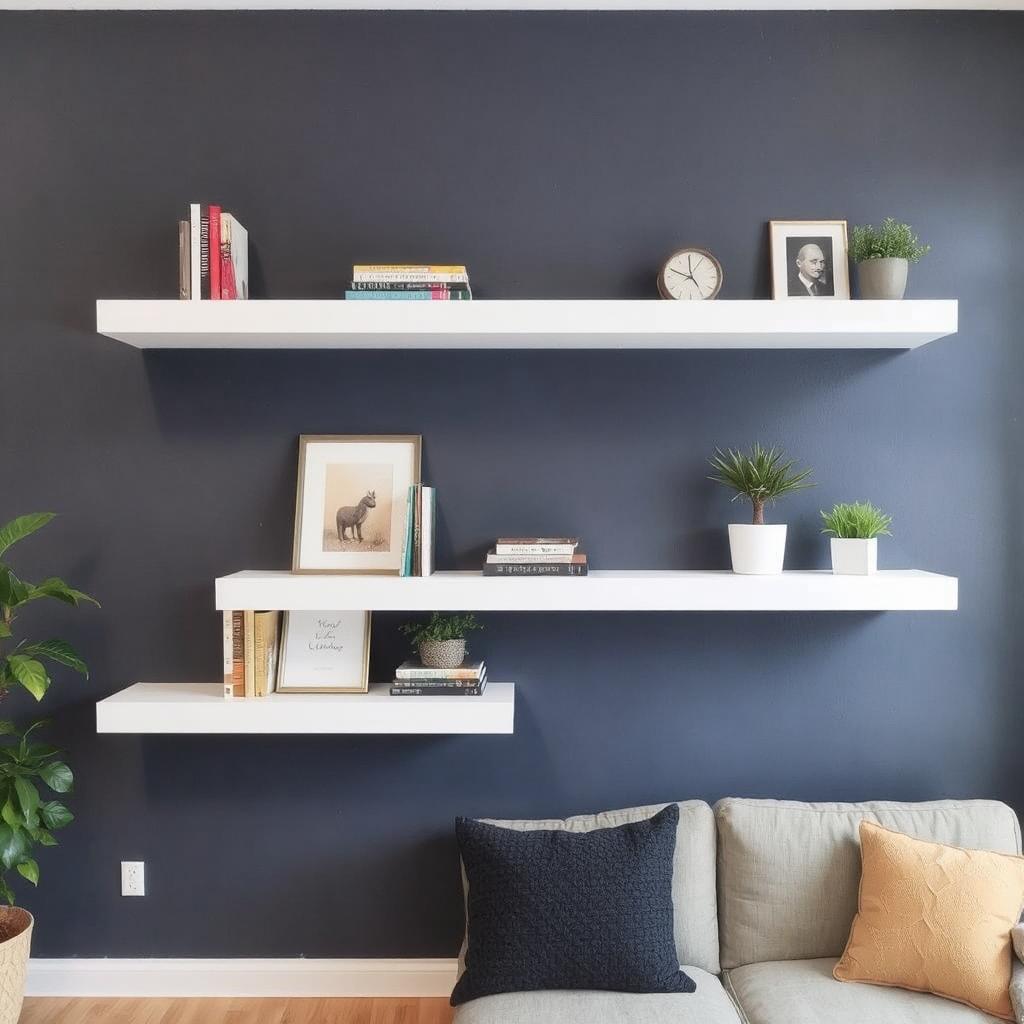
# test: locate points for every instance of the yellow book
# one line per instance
(264, 652)
(250, 654)
(422, 268)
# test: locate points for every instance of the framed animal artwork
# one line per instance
(350, 505)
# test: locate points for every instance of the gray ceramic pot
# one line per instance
(442, 653)
(882, 278)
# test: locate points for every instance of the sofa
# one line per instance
(764, 893)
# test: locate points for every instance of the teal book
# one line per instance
(437, 294)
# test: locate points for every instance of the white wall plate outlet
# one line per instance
(133, 878)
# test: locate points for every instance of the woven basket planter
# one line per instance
(441, 654)
(15, 940)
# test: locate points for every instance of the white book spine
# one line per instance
(535, 549)
(229, 654)
(195, 218)
(496, 559)
(405, 276)
(427, 531)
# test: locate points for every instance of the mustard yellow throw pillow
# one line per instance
(935, 918)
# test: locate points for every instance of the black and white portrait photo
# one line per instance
(809, 260)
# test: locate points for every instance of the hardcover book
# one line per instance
(407, 286)
(184, 259)
(536, 545)
(434, 684)
(214, 256)
(439, 691)
(534, 569)
(415, 669)
(424, 295)
(195, 235)
(234, 250)
(576, 559)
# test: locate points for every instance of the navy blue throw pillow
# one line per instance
(550, 909)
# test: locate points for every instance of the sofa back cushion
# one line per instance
(788, 873)
(695, 910)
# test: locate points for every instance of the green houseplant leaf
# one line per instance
(30, 673)
(761, 476)
(56, 650)
(57, 776)
(18, 529)
(29, 869)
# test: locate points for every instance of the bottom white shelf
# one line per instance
(202, 708)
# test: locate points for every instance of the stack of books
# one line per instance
(420, 526)
(425, 281)
(536, 556)
(213, 255)
(251, 644)
(414, 679)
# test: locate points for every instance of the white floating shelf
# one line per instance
(527, 324)
(201, 708)
(607, 590)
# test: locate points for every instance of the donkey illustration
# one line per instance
(352, 516)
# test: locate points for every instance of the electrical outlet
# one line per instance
(133, 878)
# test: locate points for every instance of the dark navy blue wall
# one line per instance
(557, 155)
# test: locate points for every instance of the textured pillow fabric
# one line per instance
(935, 918)
(1017, 978)
(560, 910)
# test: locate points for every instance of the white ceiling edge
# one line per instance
(511, 5)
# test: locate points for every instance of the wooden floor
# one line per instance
(236, 1011)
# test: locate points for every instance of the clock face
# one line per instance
(690, 274)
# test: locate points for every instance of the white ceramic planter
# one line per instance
(883, 278)
(854, 557)
(757, 550)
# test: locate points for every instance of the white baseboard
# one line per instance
(241, 977)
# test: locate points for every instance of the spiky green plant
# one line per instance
(856, 520)
(761, 476)
(26, 819)
(892, 239)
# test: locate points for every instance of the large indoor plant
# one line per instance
(883, 256)
(855, 528)
(441, 642)
(760, 477)
(27, 819)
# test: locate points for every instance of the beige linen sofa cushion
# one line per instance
(804, 992)
(710, 1004)
(788, 872)
(693, 878)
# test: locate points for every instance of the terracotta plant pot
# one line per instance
(15, 940)
(883, 278)
(443, 653)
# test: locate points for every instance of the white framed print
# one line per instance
(810, 259)
(324, 652)
(350, 504)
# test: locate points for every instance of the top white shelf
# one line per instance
(527, 324)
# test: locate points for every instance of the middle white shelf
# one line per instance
(636, 590)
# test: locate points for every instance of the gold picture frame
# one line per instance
(283, 669)
(388, 463)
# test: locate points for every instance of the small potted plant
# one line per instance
(760, 477)
(28, 768)
(441, 642)
(883, 256)
(855, 528)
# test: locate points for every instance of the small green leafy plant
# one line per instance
(26, 819)
(761, 476)
(440, 628)
(856, 520)
(892, 239)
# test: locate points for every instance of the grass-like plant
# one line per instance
(856, 520)
(892, 239)
(440, 628)
(760, 476)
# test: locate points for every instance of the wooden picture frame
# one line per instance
(350, 502)
(809, 259)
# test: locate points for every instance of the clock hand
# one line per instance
(689, 263)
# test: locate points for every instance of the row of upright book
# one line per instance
(251, 643)
(414, 679)
(420, 531)
(428, 282)
(213, 255)
(536, 556)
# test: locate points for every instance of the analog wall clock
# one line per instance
(690, 273)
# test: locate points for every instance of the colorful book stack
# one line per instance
(251, 644)
(420, 526)
(414, 679)
(536, 556)
(425, 281)
(213, 255)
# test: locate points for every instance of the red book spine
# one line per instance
(214, 252)
(440, 293)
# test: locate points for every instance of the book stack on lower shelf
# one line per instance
(414, 679)
(536, 556)
(251, 645)
(409, 281)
